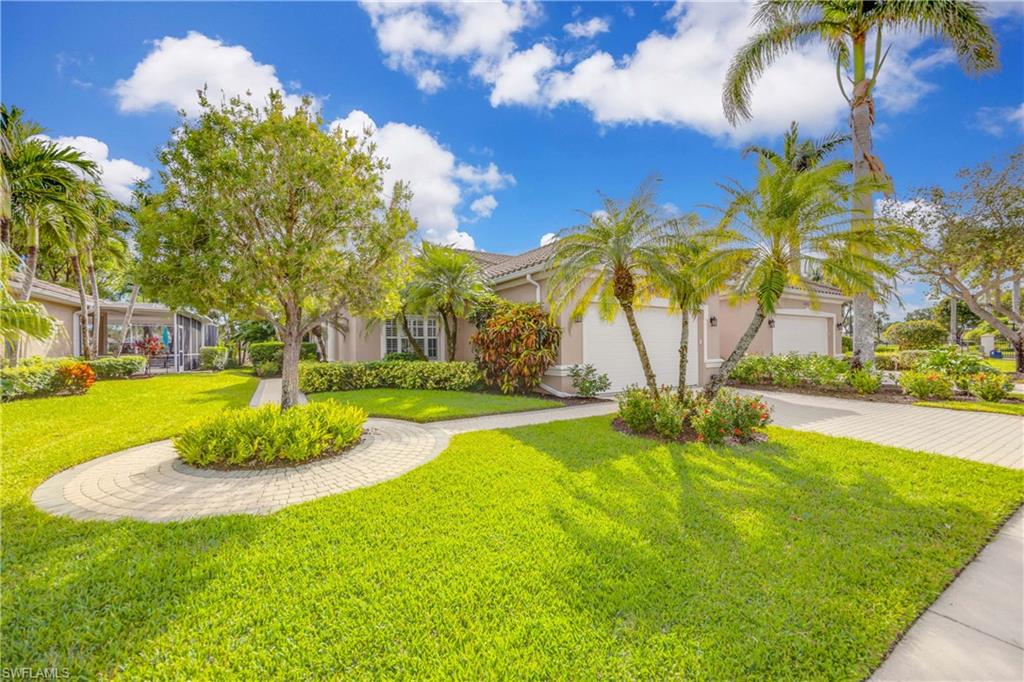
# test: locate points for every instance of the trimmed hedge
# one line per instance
(916, 334)
(792, 370)
(117, 368)
(273, 351)
(267, 435)
(40, 378)
(213, 357)
(317, 377)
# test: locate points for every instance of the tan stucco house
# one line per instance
(795, 327)
(182, 333)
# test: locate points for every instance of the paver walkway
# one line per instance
(992, 438)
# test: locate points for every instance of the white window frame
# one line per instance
(429, 328)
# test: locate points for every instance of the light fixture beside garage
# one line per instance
(771, 322)
(713, 321)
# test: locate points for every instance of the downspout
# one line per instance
(535, 283)
(543, 386)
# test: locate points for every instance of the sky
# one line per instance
(507, 120)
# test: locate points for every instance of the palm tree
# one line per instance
(679, 276)
(844, 27)
(793, 222)
(19, 318)
(611, 260)
(447, 282)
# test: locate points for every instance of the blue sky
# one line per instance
(506, 119)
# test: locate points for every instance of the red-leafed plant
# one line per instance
(74, 377)
(150, 347)
(516, 345)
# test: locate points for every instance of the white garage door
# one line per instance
(800, 334)
(609, 347)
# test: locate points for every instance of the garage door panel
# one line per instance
(801, 334)
(609, 347)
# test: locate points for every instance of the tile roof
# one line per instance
(485, 258)
(522, 261)
(822, 288)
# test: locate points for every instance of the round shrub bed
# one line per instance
(266, 436)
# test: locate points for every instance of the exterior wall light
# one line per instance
(713, 321)
(771, 322)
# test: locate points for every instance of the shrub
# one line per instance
(886, 348)
(73, 377)
(824, 370)
(587, 382)
(990, 386)
(267, 435)
(908, 359)
(273, 351)
(956, 364)
(730, 416)
(42, 377)
(885, 361)
(916, 334)
(407, 356)
(117, 368)
(791, 370)
(752, 369)
(670, 415)
(847, 344)
(926, 385)
(317, 377)
(213, 357)
(516, 345)
(787, 370)
(637, 407)
(268, 368)
(864, 380)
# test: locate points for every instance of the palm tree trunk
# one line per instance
(127, 324)
(83, 318)
(641, 349)
(91, 266)
(684, 349)
(738, 352)
(5, 230)
(30, 263)
(865, 164)
(450, 332)
(413, 343)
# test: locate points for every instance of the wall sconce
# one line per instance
(771, 322)
(713, 321)
(839, 324)
(577, 318)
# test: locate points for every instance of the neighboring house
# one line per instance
(148, 319)
(795, 327)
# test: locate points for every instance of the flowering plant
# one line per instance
(730, 416)
(74, 377)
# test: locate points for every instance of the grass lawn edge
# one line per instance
(980, 406)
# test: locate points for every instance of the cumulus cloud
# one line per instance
(418, 38)
(997, 121)
(517, 78)
(438, 180)
(547, 238)
(176, 68)
(484, 206)
(587, 29)
(116, 175)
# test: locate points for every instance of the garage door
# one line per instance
(800, 334)
(609, 347)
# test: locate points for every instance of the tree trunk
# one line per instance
(5, 231)
(865, 164)
(413, 343)
(292, 338)
(1015, 296)
(641, 349)
(684, 349)
(954, 338)
(451, 330)
(127, 324)
(30, 263)
(738, 352)
(95, 302)
(83, 318)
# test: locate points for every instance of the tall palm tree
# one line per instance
(761, 226)
(447, 282)
(844, 26)
(18, 318)
(679, 276)
(610, 261)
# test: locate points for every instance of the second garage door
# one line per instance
(802, 334)
(610, 348)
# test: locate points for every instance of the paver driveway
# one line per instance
(992, 438)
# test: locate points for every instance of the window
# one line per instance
(423, 329)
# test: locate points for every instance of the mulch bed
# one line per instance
(886, 394)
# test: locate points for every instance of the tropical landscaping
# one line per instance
(660, 530)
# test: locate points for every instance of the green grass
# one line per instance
(1008, 365)
(428, 406)
(564, 550)
(979, 406)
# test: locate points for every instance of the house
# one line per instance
(182, 333)
(795, 327)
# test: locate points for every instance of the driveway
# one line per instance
(992, 438)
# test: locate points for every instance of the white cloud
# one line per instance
(517, 78)
(176, 68)
(484, 206)
(437, 179)
(417, 38)
(587, 29)
(547, 238)
(997, 121)
(116, 175)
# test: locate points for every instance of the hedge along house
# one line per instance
(181, 333)
(797, 326)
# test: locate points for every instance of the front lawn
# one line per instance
(429, 406)
(975, 406)
(563, 550)
(1008, 365)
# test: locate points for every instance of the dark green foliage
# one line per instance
(916, 334)
(273, 351)
(117, 368)
(213, 357)
(419, 374)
